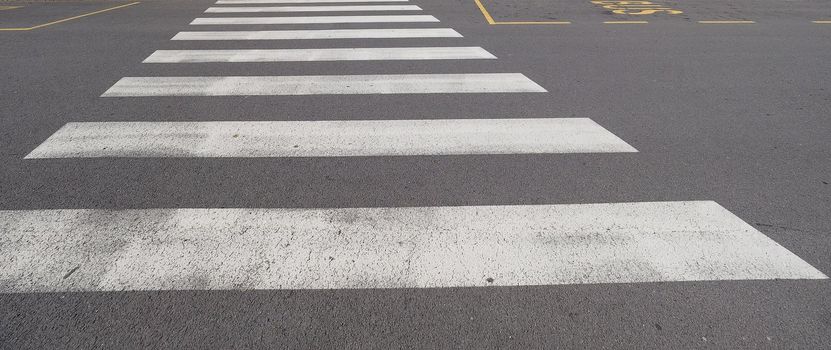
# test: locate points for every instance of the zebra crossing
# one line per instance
(421, 247)
(314, 20)
(59, 250)
(311, 55)
(340, 8)
(330, 138)
(320, 34)
(322, 85)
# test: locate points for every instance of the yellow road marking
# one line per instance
(491, 21)
(822, 22)
(625, 22)
(485, 12)
(69, 19)
(532, 22)
(726, 22)
(9, 7)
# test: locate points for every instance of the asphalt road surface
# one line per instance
(415, 174)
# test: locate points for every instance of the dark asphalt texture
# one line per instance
(739, 114)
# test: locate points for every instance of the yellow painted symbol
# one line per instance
(627, 7)
(646, 11)
(726, 22)
(623, 3)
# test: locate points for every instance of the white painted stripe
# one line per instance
(420, 247)
(295, 55)
(233, 2)
(320, 34)
(313, 20)
(345, 8)
(323, 84)
(329, 138)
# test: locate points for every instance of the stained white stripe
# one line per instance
(329, 138)
(313, 20)
(320, 34)
(242, 249)
(246, 9)
(323, 84)
(294, 55)
(232, 2)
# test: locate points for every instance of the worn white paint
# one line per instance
(392, 33)
(343, 8)
(314, 20)
(304, 55)
(329, 138)
(418, 247)
(323, 84)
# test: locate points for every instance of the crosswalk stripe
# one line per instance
(234, 2)
(313, 20)
(410, 247)
(329, 138)
(344, 8)
(303, 55)
(322, 84)
(320, 34)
